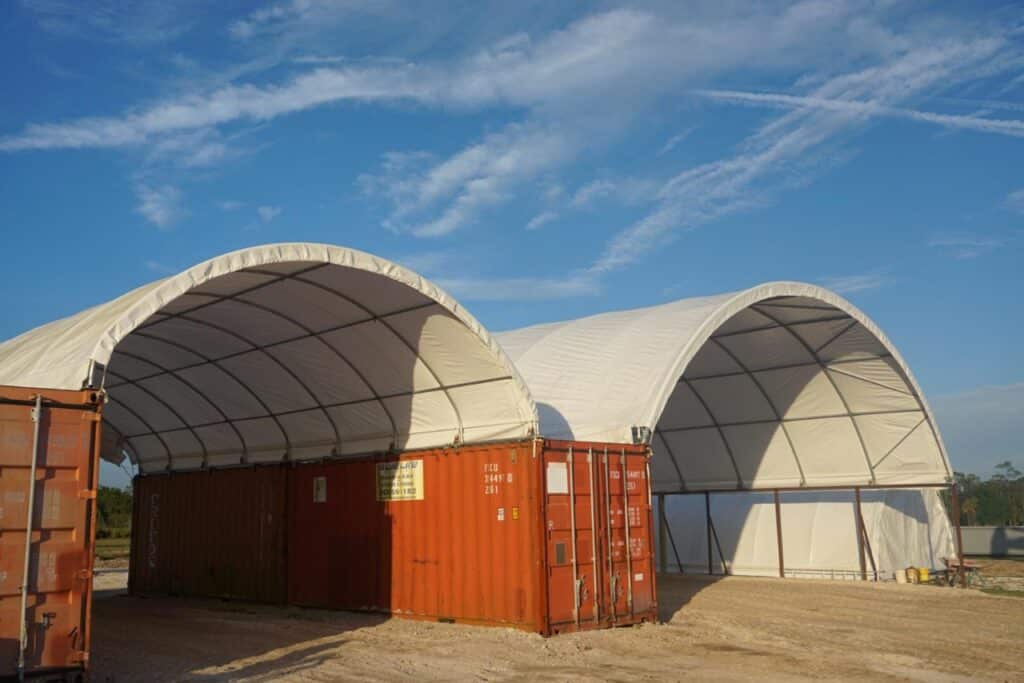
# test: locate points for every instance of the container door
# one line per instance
(574, 561)
(629, 584)
(61, 519)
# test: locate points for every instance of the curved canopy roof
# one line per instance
(785, 384)
(287, 351)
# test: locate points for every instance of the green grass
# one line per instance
(112, 548)
(1005, 592)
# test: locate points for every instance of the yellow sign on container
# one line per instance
(402, 480)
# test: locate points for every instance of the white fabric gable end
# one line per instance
(290, 351)
(781, 385)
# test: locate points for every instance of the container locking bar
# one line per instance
(37, 415)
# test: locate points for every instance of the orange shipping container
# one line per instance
(48, 480)
(476, 534)
(479, 534)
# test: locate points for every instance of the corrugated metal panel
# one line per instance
(593, 582)
(63, 526)
(468, 534)
(213, 533)
(463, 545)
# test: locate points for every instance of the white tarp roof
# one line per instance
(287, 351)
(785, 384)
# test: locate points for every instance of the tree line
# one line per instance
(996, 501)
(114, 512)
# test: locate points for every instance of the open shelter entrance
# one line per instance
(784, 407)
(278, 353)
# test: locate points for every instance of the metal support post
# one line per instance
(778, 534)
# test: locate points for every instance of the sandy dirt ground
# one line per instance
(734, 628)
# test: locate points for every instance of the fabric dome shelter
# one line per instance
(782, 386)
(280, 352)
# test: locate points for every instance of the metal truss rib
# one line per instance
(175, 413)
(403, 340)
(721, 433)
(216, 408)
(832, 381)
(768, 400)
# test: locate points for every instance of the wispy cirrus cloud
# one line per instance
(268, 213)
(674, 141)
(280, 17)
(138, 23)
(624, 190)
(161, 205)
(1015, 201)
(160, 268)
(521, 289)
(965, 247)
(541, 219)
(849, 284)
(565, 95)
(1012, 127)
(784, 150)
(478, 177)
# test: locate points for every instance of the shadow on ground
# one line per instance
(175, 639)
(675, 591)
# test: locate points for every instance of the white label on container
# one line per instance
(639, 576)
(319, 489)
(558, 477)
(402, 480)
(501, 514)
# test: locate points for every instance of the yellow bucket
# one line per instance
(922, 574)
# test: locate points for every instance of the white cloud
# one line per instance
(160, 205)
(1015, 201)
(428, 262)
(520, 289)
(541, 219)
(268, 213)
(138, 23)
(784, 151)
(157, 267)
(476, 178)
(965, 247)
(981, 427)
(980, 124)
(848, 284)
(625, 190)
(280, 17)
(230, 205)
(574, 90)
(674, 141)
(553, 191)
(590, 192)
(190, 149)
(635, 54)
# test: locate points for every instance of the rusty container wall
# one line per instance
(598, 535)
(63, 526)
(448, 534)
(219, 533)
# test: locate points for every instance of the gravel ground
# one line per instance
(736, 628)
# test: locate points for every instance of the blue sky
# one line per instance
(543, 160)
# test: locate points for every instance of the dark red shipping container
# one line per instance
(62, 430)
(218, 533)
(538, 535)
